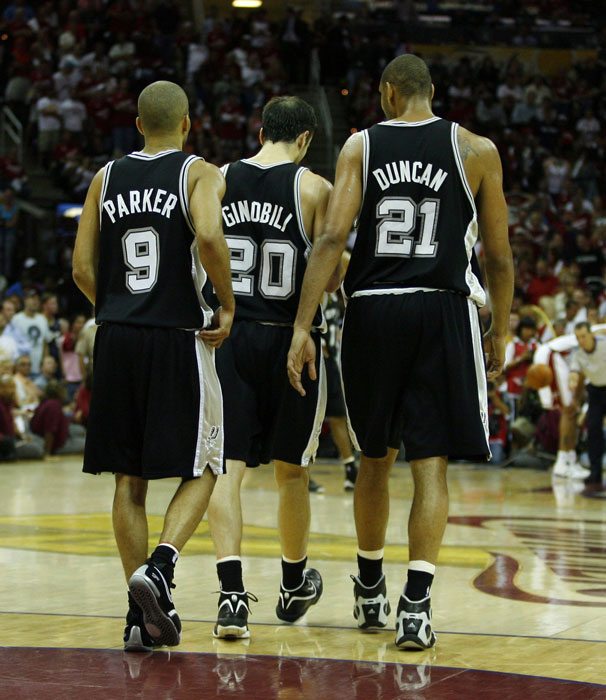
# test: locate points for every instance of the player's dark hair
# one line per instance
(526, 322)
(582, 324)
(409, 75)
(287, 117)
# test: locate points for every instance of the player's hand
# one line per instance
(494, 345)
(302, 352)
(219, 328)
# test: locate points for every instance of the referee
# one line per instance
(589, 362)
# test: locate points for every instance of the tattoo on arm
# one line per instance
(466, 148)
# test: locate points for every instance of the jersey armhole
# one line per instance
(183, 192)
(298, 207)
(459, 161)
(104, 186)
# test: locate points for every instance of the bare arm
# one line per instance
(205, 209)
(492, 219)
(325, 257)
(86, 249)
(315, 195)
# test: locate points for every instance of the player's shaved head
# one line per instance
(409, 75)
(162, 106)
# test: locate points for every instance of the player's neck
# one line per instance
(163, 143)
(413, 110)
(276, 153)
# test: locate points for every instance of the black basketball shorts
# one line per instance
(335, 405)
(156, 408)
(265, 418)
(413, 371)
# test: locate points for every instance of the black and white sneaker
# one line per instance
(151, 592)
(371, 607)
(232, 618)
(413, 624)
(294, 604)
(136, 637)
(351, 474)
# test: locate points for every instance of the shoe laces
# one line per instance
(249, 596)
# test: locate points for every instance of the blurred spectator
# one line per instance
(28, 394)
(50, 309)
(8, 346)
(10, 330)
(13, 444)
(48, 372)
(51, 424)
(33, 326)
(518, 356)
(70, 362)
(85, 346)
(542, 283)
(498, 413)
(49, 123)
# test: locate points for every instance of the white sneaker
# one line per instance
(577, 471)
(560, 468)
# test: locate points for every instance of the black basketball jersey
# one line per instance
(418, 224)
(265, 232)
(149, 269)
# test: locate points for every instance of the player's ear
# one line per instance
(139, 126)
(261, 137)
(303, 139)
(186, 125)
(433, 90)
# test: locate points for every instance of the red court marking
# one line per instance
(89, 674)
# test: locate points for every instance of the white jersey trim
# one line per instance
(397, 290)
(224, 169)
(149, 156)
(265, 166)
(210, 440)
(299, 208)
(314, 439)
(104, 186)
(183, 191)
(476, 293)
(409, 124)
(352, 433)
(478, 357)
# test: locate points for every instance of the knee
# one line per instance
(133, 488)
(289, 474)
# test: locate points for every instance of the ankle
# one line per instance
(420, 577)
(370, 567)
(292, 573)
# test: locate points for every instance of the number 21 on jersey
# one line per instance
(397, 227)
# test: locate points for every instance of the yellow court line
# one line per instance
(92, 534)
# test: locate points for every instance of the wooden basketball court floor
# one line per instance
(519, 598)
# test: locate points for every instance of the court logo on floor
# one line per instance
(554, 561)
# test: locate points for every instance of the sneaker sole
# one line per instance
(411, 641)
(349, 486)
(230, 632)
(157, 623)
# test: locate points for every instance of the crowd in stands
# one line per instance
(71, 72)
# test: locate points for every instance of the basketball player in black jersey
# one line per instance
(150, 228)
(412, 361)
(272, 210)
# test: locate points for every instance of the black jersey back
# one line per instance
(149, 270)
(264, 229)
(417, 224)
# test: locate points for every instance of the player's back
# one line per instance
(418, 223)
(149, 270)
(265, 231)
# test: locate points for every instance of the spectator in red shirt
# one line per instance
(542, 284)
(50, 423)
(82, 406)
(12, 444)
